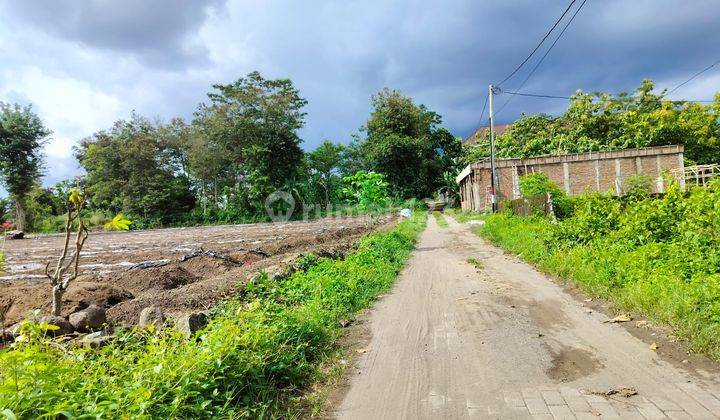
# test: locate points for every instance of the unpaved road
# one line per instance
(504, 341)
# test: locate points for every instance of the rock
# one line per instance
(89, 319)
(189, 324)
(14, 234)
(64, 326)
(405, 213)
(15, 329)
(6, 337)
(97, 339)
(152, 315)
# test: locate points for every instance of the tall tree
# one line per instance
(131, 169)
(253, 124)
(22, 135)
(324, 163)
(405, 142)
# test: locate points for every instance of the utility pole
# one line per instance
(493, 180)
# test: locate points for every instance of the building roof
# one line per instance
(482, 133)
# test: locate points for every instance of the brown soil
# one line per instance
(178, 286)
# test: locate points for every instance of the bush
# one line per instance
(252, 361)
(657, 256)
(538, 183)
(366, 190)
(638, 186)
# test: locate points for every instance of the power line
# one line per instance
(694, 76)
(567, 25)
(536, 95)
(484, 107)
(533, 95)
(480, 121)
(538, 45)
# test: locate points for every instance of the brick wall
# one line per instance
(576, 174)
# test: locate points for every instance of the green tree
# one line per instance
(405, 143)
(249, 131)
(22, 135)
(323, 164)
(130, 169)
(600, 122)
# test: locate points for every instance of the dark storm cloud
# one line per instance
(443, 53)
(159, 32)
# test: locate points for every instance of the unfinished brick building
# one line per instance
(575, 173)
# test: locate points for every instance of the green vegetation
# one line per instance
(657, 256)
(366, 190)
(405, 143)
(538, 183)
(464, 216)
(131, 168)
(22, 135)
(600, 121)
(241, 146)
(479, 265)
(440, 219)
(255, 359)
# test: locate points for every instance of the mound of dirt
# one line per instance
(79, 295)
(200, 265)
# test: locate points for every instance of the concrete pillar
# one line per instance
(477, 194)
(681, 168)
(660, 184)
(515, 183)
(597, 174)
(566, 177)
(638, 165)
(618, 177)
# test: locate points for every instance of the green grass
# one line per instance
(464, 216)
(440, 219)
(479, 265)
(256, 359)
(657, 257)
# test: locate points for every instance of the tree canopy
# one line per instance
(22, 135)
(131, 169)
(405, 142)
(601, 121)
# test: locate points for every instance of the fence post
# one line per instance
(549, 206)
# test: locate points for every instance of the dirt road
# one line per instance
(501, 340)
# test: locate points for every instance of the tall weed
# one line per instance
(252, 361)
(658, 256)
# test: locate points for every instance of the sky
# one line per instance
(84, 64)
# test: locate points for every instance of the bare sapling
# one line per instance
(66, 269)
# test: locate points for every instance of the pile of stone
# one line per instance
(90, 326)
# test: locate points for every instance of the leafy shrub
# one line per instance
(414, 204)
(638, 186)
(366, 190)
(538, 183)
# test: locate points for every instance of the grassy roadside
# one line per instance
(253, 361)
(440, 219)
(463, 216)
(672, 278)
